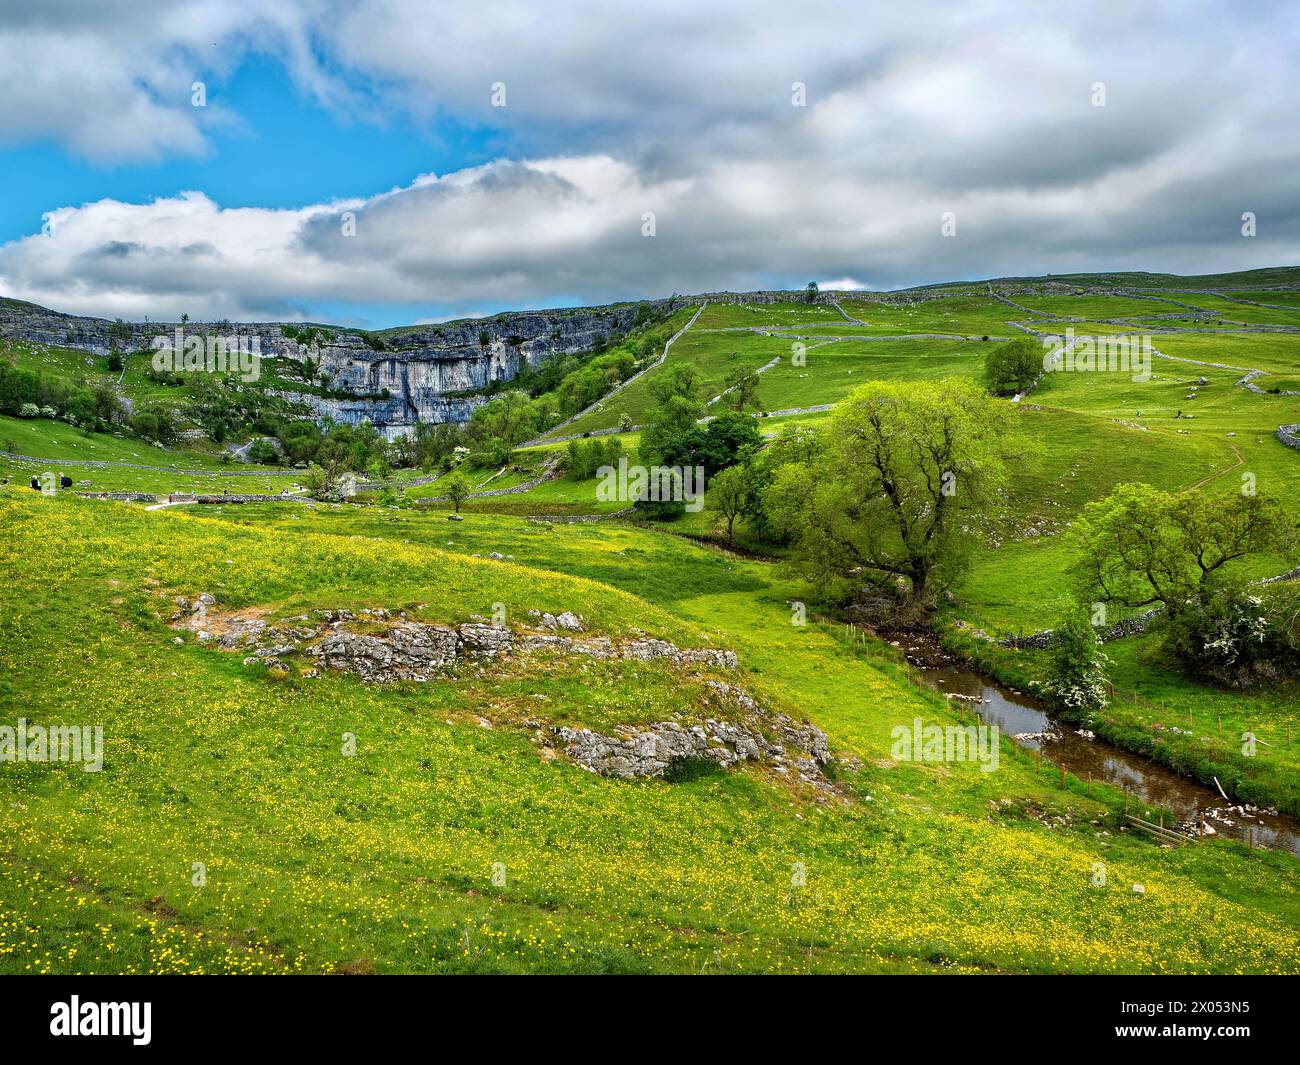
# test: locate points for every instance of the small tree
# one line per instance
(810, 291)
(1076, 679)
(1013, 367)
(742, 391)
(1141, 547)
(457, 489)
(725, 495)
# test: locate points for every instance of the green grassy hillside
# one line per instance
(456, 840)
(385, 861)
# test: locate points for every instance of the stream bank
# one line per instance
(1196, 809)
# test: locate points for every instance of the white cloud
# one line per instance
(680, 111)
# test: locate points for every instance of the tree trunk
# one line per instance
(920, 574)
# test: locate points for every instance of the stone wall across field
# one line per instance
(121, 497)
(1127, 627)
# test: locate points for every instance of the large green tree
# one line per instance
(678, 398)
(896, 495)
(1141, 547)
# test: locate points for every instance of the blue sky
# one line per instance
(285, 150)
(633, 152)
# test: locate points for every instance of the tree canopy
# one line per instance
(898, 490)
(1013, 367)
(1141, 546)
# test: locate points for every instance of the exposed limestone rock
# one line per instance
(486, 640)
(567, 620)
(412, 650)
(408, 651)
(759, 736)
(740, 730)
(394, 379)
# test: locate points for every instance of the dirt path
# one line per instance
(547, 438)
(1241, 461)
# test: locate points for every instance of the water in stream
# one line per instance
(1151, 785)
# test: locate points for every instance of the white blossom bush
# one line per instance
(1077, 680)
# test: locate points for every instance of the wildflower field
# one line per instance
(448, 843)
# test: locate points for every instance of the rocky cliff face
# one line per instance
(399, 378)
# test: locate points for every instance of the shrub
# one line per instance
(1076, 679)
(1226, 634)
(264, 453)
(155, 424)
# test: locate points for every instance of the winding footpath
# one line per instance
(547, 438)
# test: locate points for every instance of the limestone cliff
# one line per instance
(394, 377)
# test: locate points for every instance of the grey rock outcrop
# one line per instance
(758, 735)
(407, 651)
(402, 649)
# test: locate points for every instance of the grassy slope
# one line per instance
(1093, 431)
(316, 861)
(45, 438)
(1088, 445)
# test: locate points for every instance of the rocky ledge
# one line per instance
(380, 645)
(758, 735)
(395, 647)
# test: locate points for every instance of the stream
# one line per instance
(1150, 785)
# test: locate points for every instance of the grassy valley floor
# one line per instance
(449, 843)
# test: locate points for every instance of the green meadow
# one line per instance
(228, 830)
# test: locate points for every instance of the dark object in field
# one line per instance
(65, 481)
(683, 770)
(36, 484)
